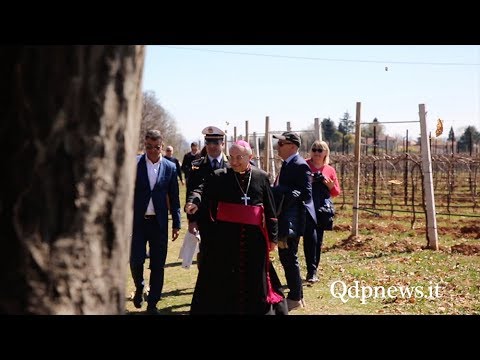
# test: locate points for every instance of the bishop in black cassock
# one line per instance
(236, 276)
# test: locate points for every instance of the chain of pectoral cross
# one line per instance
(245, 198)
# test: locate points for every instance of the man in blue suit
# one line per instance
(293, 194)
(155, 185)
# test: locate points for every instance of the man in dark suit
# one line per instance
(188, 158)
(200, 171)
(293, 193)
(156, 182)
(169, 156)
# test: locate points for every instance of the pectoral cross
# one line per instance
(245, 198)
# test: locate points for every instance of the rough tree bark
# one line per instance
(69, 128)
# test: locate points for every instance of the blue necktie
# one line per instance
(215, 164)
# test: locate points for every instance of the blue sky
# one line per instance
(212, 85)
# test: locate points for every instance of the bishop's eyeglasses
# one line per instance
(236, 158)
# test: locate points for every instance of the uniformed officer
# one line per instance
(201, 169)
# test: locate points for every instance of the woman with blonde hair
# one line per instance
(324, 187)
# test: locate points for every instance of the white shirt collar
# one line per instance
(150, 161)
(219, 158)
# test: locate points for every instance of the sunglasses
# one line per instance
(317, 150)
(150, 147)
(281, 143)
(168, 150)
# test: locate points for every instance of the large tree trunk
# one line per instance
(69, 122)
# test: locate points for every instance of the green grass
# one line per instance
(387, 253)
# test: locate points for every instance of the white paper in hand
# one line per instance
(189, 249)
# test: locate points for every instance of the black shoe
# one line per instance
(138, 299)
(152, 310)
(295, 304)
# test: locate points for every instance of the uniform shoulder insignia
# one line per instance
(196, 163)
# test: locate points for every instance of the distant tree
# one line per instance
(451, 135)
(337, 137)
(328, 130)
(349, 143)
(69, 115)
(307, 138)
(469, 137)
(335, 143)
(345, 127)
(367, 129)
(154, 116)
(451, 139)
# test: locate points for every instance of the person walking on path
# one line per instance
(235, 275)
(324, 187)
(293, 193)
(155, 184)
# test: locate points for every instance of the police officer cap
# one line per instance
(213, 133)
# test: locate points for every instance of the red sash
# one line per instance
(249, 215)
(240, 214)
